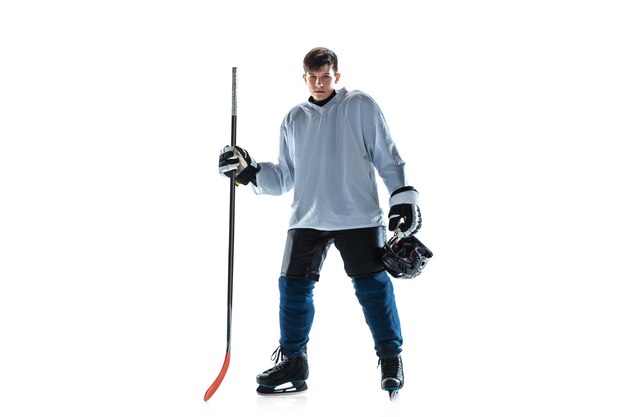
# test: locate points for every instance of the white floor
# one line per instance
(154, 347)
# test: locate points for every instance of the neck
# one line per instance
(322, 102)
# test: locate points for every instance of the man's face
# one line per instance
(321, 82)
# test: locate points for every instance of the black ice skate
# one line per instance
(287, 377)
(392, 376)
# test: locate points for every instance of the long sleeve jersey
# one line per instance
(329, 155)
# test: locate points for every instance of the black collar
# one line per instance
(321, 103)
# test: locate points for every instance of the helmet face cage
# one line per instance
(405, 257)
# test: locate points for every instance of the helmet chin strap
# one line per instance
(400, 223)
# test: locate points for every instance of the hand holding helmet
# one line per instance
(404, 256)
(405, 218)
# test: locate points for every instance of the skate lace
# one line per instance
(278, 356)
(390, 366)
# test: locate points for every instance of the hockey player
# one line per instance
(330, 149)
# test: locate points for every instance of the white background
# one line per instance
(113, 218)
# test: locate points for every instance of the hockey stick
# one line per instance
(231, 247)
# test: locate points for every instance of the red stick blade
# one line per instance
(215, 385)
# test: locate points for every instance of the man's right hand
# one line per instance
(236, 161)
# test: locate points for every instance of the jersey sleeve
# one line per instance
(276, 179)
(382, 149)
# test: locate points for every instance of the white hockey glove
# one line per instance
(404, 214)
(236, 161)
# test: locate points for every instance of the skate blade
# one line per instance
(287, 388)
(393, 394)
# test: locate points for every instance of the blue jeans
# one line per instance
(376, 296)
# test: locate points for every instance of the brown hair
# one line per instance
(319, 57)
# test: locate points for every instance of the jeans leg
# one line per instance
(295, 315)
(376, 296)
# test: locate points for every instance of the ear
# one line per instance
(304, 78)
(337, 77)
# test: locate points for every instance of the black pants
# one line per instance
(360, 249)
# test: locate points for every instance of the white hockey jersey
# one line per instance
(329, 155)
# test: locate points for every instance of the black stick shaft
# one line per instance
(231, 222)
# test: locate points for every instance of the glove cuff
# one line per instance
(248, 174)
(404, 195)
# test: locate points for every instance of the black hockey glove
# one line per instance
(236, 161)
(404, 214)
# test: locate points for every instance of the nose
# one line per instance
(319, 82)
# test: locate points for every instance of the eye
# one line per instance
(327, 77)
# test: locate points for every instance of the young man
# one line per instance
(330, 148)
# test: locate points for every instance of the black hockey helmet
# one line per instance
(405, 257)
